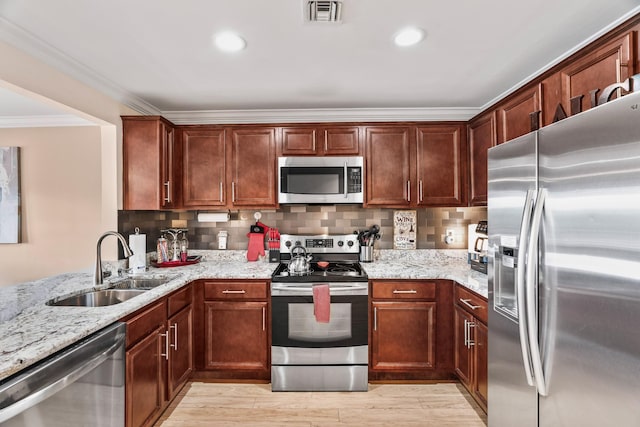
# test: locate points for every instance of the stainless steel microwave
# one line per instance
(320, 180)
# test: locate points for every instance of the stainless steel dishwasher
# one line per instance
(82, 385)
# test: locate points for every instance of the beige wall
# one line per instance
(92, 202)
(61, 202)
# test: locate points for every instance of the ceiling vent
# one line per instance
(324, 11)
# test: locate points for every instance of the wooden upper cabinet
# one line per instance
(252, 164)
(388, 172)
(482, 136)
(441, 165)
(299, 141)
(608, 64)
(150, 164)
(320, 140)
(514, 116)
(341, 140)
(204, 172)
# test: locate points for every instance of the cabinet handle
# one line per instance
(466, 333)
(167, 186)
(221, 191)
(166, 345)
(400, 291)
(175, 336)
(326, 144)
(231, 291)
(375, 318)
(471, 342)
(408, 191)
(467, 302)
(233, 192)
(421, 196)
(264, 318)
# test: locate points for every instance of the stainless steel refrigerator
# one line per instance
(564, 272)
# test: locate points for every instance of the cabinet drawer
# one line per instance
(403, 289)
(179, 300)
(145, 322)
(235, 290)
(472, 303)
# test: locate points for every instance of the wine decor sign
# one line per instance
(9, 194)
(405, 229)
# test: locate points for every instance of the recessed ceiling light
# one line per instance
(229, 42)
(408, 36)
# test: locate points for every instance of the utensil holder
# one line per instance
(366, 253)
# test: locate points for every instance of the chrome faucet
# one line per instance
(98, 276)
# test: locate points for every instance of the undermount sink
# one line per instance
(98, 298)
(144, 283)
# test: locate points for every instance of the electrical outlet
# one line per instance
(448, 238)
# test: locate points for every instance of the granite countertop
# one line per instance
(30, 330)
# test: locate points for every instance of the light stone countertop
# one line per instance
(30, 330)
(424, 264)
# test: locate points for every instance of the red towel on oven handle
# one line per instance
(322, 303)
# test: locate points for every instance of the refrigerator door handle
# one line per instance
(520, 286)
(532, 320)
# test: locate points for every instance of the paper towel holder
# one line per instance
(213, 216)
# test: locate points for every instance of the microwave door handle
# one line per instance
(345, 180)
(532, 314)
(520, 286)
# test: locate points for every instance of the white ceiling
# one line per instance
(157, 56)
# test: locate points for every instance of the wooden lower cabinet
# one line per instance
(232, 330)
(395, 344)
(145, 380)
(236, 335)
(411, 330)
(159, 356)
(471, 343)
(180, 363)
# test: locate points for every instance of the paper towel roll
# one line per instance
(138, 245)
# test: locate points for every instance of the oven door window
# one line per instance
(303, 325)
(294, 324)
(312, 180)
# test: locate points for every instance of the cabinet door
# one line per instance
(299, 141)
(403, 336)
(180, 350)
(441, 164)
(149, 163)
(203, 177)
(481, 385)
(482, 136)
(388, 166)
(463, 359)
(514, 117)
(236, 336)
(341, 141)
(253, 167)
(611, 63)
(145, 367)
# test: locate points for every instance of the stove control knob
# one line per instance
(340, 243)
(350, 243)
(298, 243)
(288, 243)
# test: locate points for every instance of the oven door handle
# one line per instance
(310, 290)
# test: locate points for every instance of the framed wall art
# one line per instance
(10, 195)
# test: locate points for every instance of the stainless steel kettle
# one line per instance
(300, 261)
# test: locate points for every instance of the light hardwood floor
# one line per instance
(222, 404)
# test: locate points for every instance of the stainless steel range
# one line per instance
(308, 354)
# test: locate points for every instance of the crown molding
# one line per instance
(25, 41)
(43, 121)
(319, 115)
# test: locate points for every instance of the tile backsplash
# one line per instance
(305, 219)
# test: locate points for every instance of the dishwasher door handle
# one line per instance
(52, 388)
